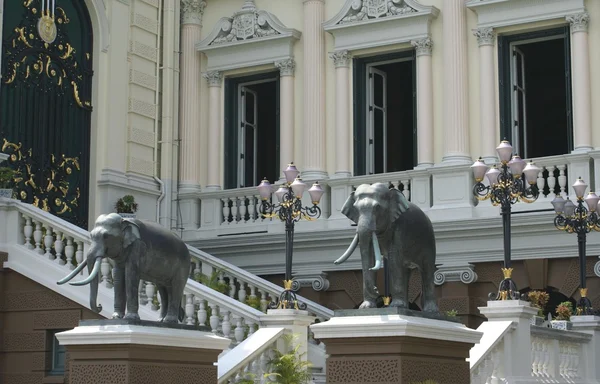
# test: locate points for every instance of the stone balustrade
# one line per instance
(237, 211)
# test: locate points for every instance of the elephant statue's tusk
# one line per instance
(378, 257)
(92, 275)
(72, 274)
(348, 252)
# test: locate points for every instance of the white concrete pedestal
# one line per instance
(590, 325)
(125, 353)
(395, 348)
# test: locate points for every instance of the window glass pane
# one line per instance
(378, 90)
(58, 355)
(378, 139)
(249, 157)
(250, 108)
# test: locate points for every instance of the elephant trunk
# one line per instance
(93, 261)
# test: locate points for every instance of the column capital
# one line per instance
(192, 11)
(485, 36)
(341, 59)
(286, 67)
(423, 46)
(214, 78)
(579, 22)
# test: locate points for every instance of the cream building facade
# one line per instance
(194, 102)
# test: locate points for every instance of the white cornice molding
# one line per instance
(501, 13)
(250, 37)
(448, 272)
(359, 25)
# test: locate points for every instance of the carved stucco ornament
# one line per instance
(248, 23)
(360, 10)
(249, 37)
(192, 11)
(363, 24)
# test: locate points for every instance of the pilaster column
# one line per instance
(286, 114)
(189, 114)
(487, 94)
(582, 104)
(313, 132)
(456, 116)
(341, 60)
(214, 79)
(423, 49)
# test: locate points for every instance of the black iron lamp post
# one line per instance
(289, 209)
(578, 219)
(512, 182)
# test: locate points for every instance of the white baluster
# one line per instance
(28, 232)
(226, 324)
(48, 240)
(251, 329)
(70, 252)
(150, 293)
(252, 208)
(240, 329)
(226, 210)
(106, 270)
(141, 292)
(242, 292)
(243, 210)
(563, 360)
(562, 180)
(197, 269)
(214, 318)
(79, 252)
(551, 181)
(202, 313)
(545, 365)
(406, 190)
(37, 237)
(232, 287)
(263, 301)
(252, 292)
(540, 181)
(189, 308)
(58, 248)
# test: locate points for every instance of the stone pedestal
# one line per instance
(389, 346)
(107, 351)
(590, 325)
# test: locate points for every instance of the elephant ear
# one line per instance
(131, 232)
(349, 209)
(398, 204)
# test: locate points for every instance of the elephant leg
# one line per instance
(427, 276)
(164, 301)
(399, 277)
(370, 292)
(120, 294)
(176, 294)
(132, 281)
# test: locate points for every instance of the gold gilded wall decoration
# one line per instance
(51, 186)
(42, 55)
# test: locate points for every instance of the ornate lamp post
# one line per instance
(581, 220)
(289, 209)
(511, 183)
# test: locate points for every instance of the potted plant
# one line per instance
(564, 311)
(288, 368)
(538, 300)
(6, 179)
(126, 206)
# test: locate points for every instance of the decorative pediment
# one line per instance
(501, 13)
(371, 23)
(240, 40)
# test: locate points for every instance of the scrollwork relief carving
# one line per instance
(317, 282)
(485, 36)
(214, 78)
(579, 22)
(423, 46)
(286, 67)
(373, 9)
(341, 58)
(192, 11)
(462, 273)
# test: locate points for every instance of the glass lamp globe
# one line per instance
(291, 172)
(504, 151)
(298, 187)
(264, 189)
(479, 169)
(579, 187)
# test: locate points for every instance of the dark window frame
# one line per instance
(359, 104)
(231, 148)
(505, 81)
(56, 350)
